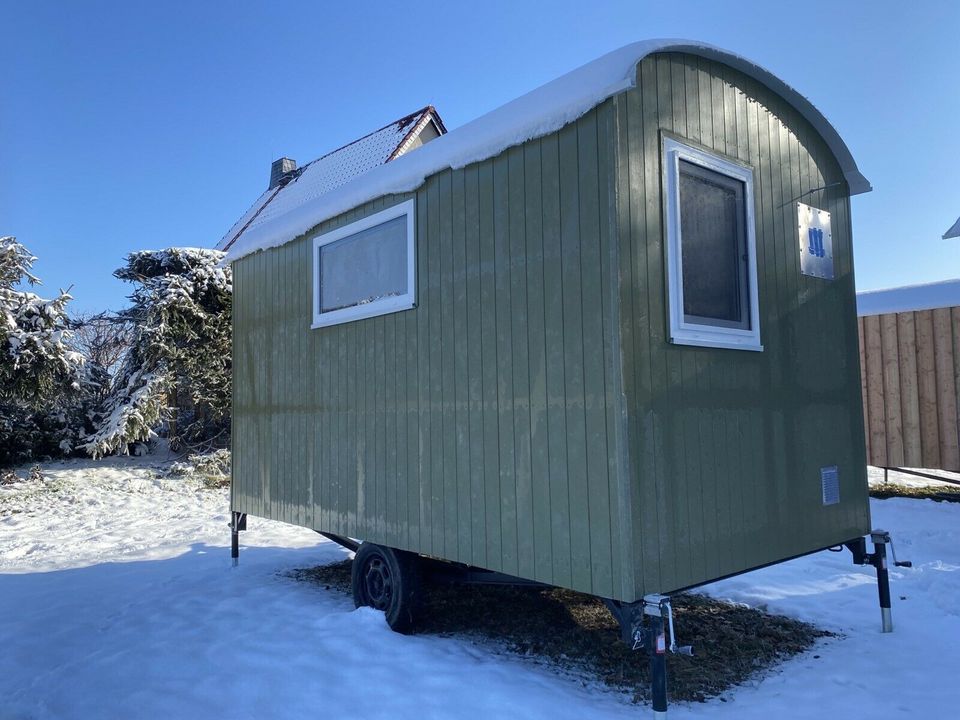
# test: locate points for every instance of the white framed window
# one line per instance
(711, 249)
(366, 268)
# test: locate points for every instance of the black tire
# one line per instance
(388, 580)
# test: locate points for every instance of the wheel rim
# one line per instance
(377, 583)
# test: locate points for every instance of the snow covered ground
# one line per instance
(117, 600)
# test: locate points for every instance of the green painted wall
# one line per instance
(475, 427)
(727, 444)
(529, 416)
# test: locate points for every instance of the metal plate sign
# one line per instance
(816, 242)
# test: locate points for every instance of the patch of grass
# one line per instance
(18, 494)
(9, 477)
(212, 469)
(576, 633)
(939, 493)
(215, 482)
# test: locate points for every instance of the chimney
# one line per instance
(279, 171)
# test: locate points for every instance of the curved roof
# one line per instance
(539, 112)
(855, 179)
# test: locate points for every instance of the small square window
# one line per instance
(365, 268)
(711, 250)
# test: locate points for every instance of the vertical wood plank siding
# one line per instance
(726, 446)
(529, 415)
(476, 427)
(912, 417)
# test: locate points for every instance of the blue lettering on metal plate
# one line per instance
(815, 242)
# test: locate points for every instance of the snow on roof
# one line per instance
(539, 112)
(240, 225)
(334, 169)
(909, 298)
(954, 231)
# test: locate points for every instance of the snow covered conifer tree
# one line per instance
(36, 362)
(43, 381)
(178, 366)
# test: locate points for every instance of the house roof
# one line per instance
(928, 296)
(538, 113)
(334, 169)
(954, 231)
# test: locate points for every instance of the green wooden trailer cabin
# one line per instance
(603, 338)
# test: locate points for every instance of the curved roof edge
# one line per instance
(855, 179)
(539, 112)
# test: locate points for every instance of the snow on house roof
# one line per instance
(954, 231)
(332, 170)
(909, 298)
(539, 112)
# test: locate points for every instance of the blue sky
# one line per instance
(133, 125)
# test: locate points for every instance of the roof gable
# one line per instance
(954, 231)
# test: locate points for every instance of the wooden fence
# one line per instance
(910, 372)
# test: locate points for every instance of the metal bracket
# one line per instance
(882, 536)
(661, 606)
(239, 521)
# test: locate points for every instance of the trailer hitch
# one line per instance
(878, 559)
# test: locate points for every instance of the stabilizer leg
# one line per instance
(883, 578)
(238, 522)
(643, 625)
(878, 558)
(656, 643)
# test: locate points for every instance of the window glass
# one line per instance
(713, 248)
(367, 266)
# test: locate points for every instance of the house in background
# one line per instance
(954, 231)
(291, 186)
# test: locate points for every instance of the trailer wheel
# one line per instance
(388, 580)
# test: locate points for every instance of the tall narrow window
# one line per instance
(365, 268)
(711, 250)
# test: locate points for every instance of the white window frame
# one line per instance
(382, 306)
(683, 332)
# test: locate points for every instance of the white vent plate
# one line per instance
(830, 485)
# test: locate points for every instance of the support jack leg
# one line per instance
(656, 643)
(878, 558)
(238, 522)
(643, 625)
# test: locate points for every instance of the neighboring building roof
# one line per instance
(953, 232)
(909, 298)
(538, 113)
(334, 169)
